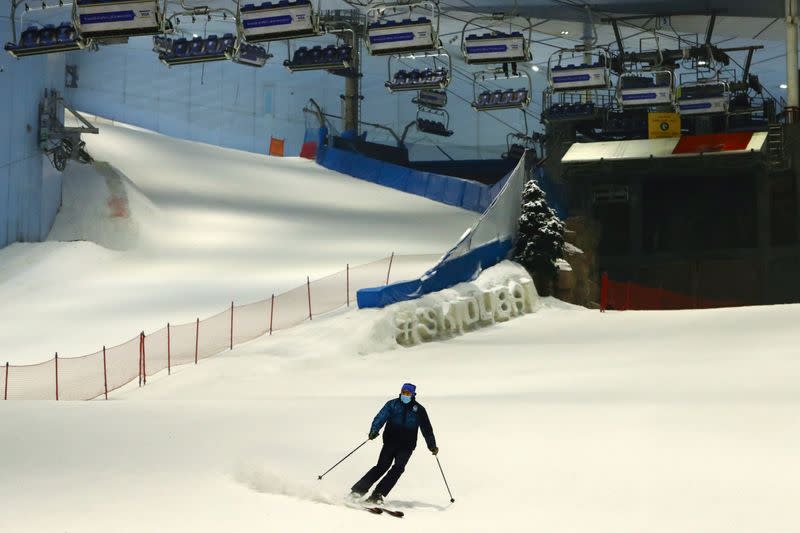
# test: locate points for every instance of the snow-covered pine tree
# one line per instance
(540, 241)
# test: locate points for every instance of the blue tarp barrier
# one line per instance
(454, 192)
(436, 186)
(444, 275)
(472, 196)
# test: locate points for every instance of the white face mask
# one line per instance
(404, 398)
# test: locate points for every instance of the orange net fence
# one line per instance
(95, 375)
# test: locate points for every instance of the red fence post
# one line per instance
(308, 284)
(140, 359)
(604, 292)
(56, 358)
(196, 340)
(348, 284)
(105, 373)
(391, 259)
(231, 325)
(169, 352)
(271, 312)
(144, 361)
(5, 390)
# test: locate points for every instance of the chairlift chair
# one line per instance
(250, 55)
(517, 97)
(279, 20)
(495, 46)
(332, 57)
(117, 18)
(565, 73)
(431, 98)
(704, 97)
(434, 127)
(47, 40)
(645, 89)
(517, 144)
(390, 36)
(437, 77)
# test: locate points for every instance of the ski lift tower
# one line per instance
(350, 25)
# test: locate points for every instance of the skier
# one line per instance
(402, 416)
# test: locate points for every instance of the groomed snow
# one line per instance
(564, 420)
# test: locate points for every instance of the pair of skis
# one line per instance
(381, 510)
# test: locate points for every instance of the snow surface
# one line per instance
(565, 420)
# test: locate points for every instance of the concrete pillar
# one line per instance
(792, 75)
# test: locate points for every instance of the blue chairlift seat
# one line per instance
(46, 40)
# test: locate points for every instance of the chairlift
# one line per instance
(250, 55)
(183, 51)
(440, 127)
(435, 77)
(495, 46)
(517, 144)
(332, 57)
(566, 73)
(704, 97)
(431, 98)
(389, 36)
(117, 18)
(517, 97)
(279, 20)
(644, 89)
(47, 40)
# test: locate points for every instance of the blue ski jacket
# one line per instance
(402, 422)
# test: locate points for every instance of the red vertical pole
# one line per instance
(105, 373)
(271, 312)
(144, 361)
(169, 352)
(604, 292)
(231, 325)
(308, 285)
(348, 284)
(140, 359)
(196, 340)
(56, 358)
(5, 390)
(390, 268)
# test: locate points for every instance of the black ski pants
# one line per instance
(389, 454)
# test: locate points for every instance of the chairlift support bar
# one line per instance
(279, 20)
(496, 47)
(100, 19)
(406, 36)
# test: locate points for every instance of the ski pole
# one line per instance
(452, 500)
(343, 458)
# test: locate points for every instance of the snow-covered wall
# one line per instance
(30, 189)
(241, 107)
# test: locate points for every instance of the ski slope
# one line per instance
(565, 420)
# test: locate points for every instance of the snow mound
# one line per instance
(100, 204)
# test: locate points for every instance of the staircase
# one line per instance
(776, 154)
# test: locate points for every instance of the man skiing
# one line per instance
(402, 416)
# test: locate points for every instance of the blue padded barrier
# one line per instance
(472, 196)
(436, 186)
(444, 275)
(458, 192)
(417, 182)
(454, 192)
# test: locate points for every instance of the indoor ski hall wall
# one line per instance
(236, 106)
(30, 188)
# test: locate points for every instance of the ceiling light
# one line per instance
(194, 35)
(701, 63)
(564, 32)
(535, 68)
(784, 86)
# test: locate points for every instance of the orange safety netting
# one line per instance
(94, 375)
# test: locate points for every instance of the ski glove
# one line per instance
(434, 450)
(373, 434)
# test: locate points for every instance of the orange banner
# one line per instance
(716, 142)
